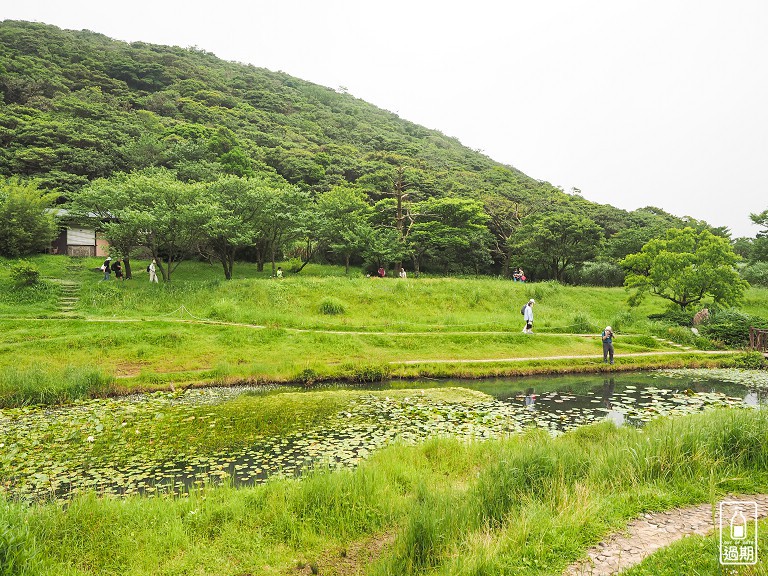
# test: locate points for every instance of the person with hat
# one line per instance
(152, 269)
(106, 268)
(607, 337)
(528, 316)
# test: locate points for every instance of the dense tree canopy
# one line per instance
(27, 219)
(685, 268)
(759, 248)
(343, 222)
(562, 242)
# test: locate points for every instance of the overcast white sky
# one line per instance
(636, 103)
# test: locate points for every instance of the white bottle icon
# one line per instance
(738, 525)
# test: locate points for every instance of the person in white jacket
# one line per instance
(528, 315)
(152, 269)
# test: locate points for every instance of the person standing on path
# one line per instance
(152, 269)
(528, 316)
(607, 337)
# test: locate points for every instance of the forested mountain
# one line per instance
(79, 108)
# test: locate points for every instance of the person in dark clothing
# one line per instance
(607, 337)
(117, 268)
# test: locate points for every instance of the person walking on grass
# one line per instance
(607, 337)
(152, 269)
(528, 316)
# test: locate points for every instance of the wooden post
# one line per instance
(758, 339)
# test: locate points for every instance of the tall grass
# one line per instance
(18, 549)
(37, 385)
(525, 505)
(528, 505)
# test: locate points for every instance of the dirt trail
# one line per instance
(647, 534)
(574, 357)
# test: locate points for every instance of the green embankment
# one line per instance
(131, 335)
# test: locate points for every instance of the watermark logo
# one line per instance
(738, 533)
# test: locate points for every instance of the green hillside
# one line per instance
(78, 107)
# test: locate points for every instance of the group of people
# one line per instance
(108, 267)
(382, 273)
(518, 275)
(117, 267)
(606, 336)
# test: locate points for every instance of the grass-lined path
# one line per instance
(565, 357)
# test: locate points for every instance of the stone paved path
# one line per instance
(649, 533)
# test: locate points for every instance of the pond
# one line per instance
(151, 443)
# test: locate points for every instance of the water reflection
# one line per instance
(530, 399)
(564, 402)
(609, 385)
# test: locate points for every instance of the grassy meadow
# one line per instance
(314, 326)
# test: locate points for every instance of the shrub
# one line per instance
(294, 265)
(746, 361)
(307, 376)
(621, 321)
(756, 274)
(582, 324)
(686, 337)
(600, 274)
(369, 373)
(24, 273)
(678, 334)
(332, 306)
(27, 225)
(675, 315)
(731, 326)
